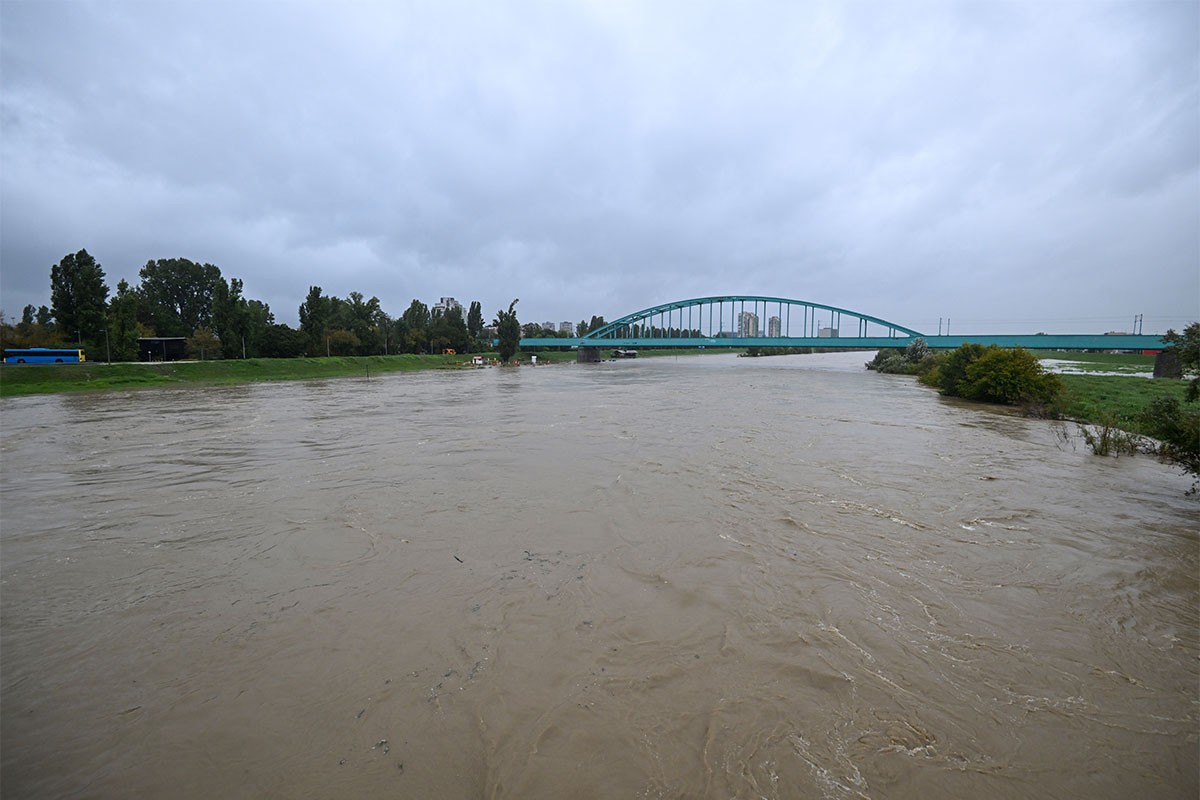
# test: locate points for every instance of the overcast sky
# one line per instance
(1013, 166)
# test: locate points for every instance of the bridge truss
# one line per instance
(744, 316)
(758, 321)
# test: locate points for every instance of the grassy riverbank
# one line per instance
(1112, 399)
(1108, 388)
(53, 378)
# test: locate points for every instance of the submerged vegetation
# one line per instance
(1115, 415)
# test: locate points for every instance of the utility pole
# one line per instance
(107, 349)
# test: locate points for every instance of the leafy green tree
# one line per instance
(28, 315)
(363, 318)
(123, 324)
(178, 295)
(314, 320)
(45, 316)
(27, 335)
(282, 341)
(508, 331)
(230, 314)
(417, 320)
(204, 345)
(449, 331)
(259, 320)
(343, 342)
(1186, 346)
(475, 320)
(79, 298)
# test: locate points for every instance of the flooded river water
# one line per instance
(704, 577)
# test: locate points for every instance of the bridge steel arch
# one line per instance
(727, 318)
(784, 322)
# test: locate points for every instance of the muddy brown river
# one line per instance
(698, 577)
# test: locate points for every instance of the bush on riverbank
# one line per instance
(993, 375)
(916, 359)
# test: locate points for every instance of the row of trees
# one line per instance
(356, 326)
(175, 297)
(180, 298)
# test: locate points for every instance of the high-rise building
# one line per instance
(444, 304)
(747, 324)
(567, 327)
(774, 327)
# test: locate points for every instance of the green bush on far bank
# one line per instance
(993, 375)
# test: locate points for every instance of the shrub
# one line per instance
(915, 359)
(917, 351)
(993, 375)
(1178, 431)
(888, 360)
(1106, 439)
(1009, 376)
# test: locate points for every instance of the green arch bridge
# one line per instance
(757, 321)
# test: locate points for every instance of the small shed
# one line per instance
(162, 348)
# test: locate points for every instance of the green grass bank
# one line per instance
(1114, 399)
(27, 379)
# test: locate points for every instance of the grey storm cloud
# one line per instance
(1015, 166)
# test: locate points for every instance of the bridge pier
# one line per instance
(588, 355)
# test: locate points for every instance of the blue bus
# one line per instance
(43, 355)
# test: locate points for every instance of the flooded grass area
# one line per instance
(1090, 398)
(1130, 364)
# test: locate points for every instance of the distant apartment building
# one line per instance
(747, 324)
(827, 333)
(549, 326)
(444, 304)
(567, 327)
(774, 327)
